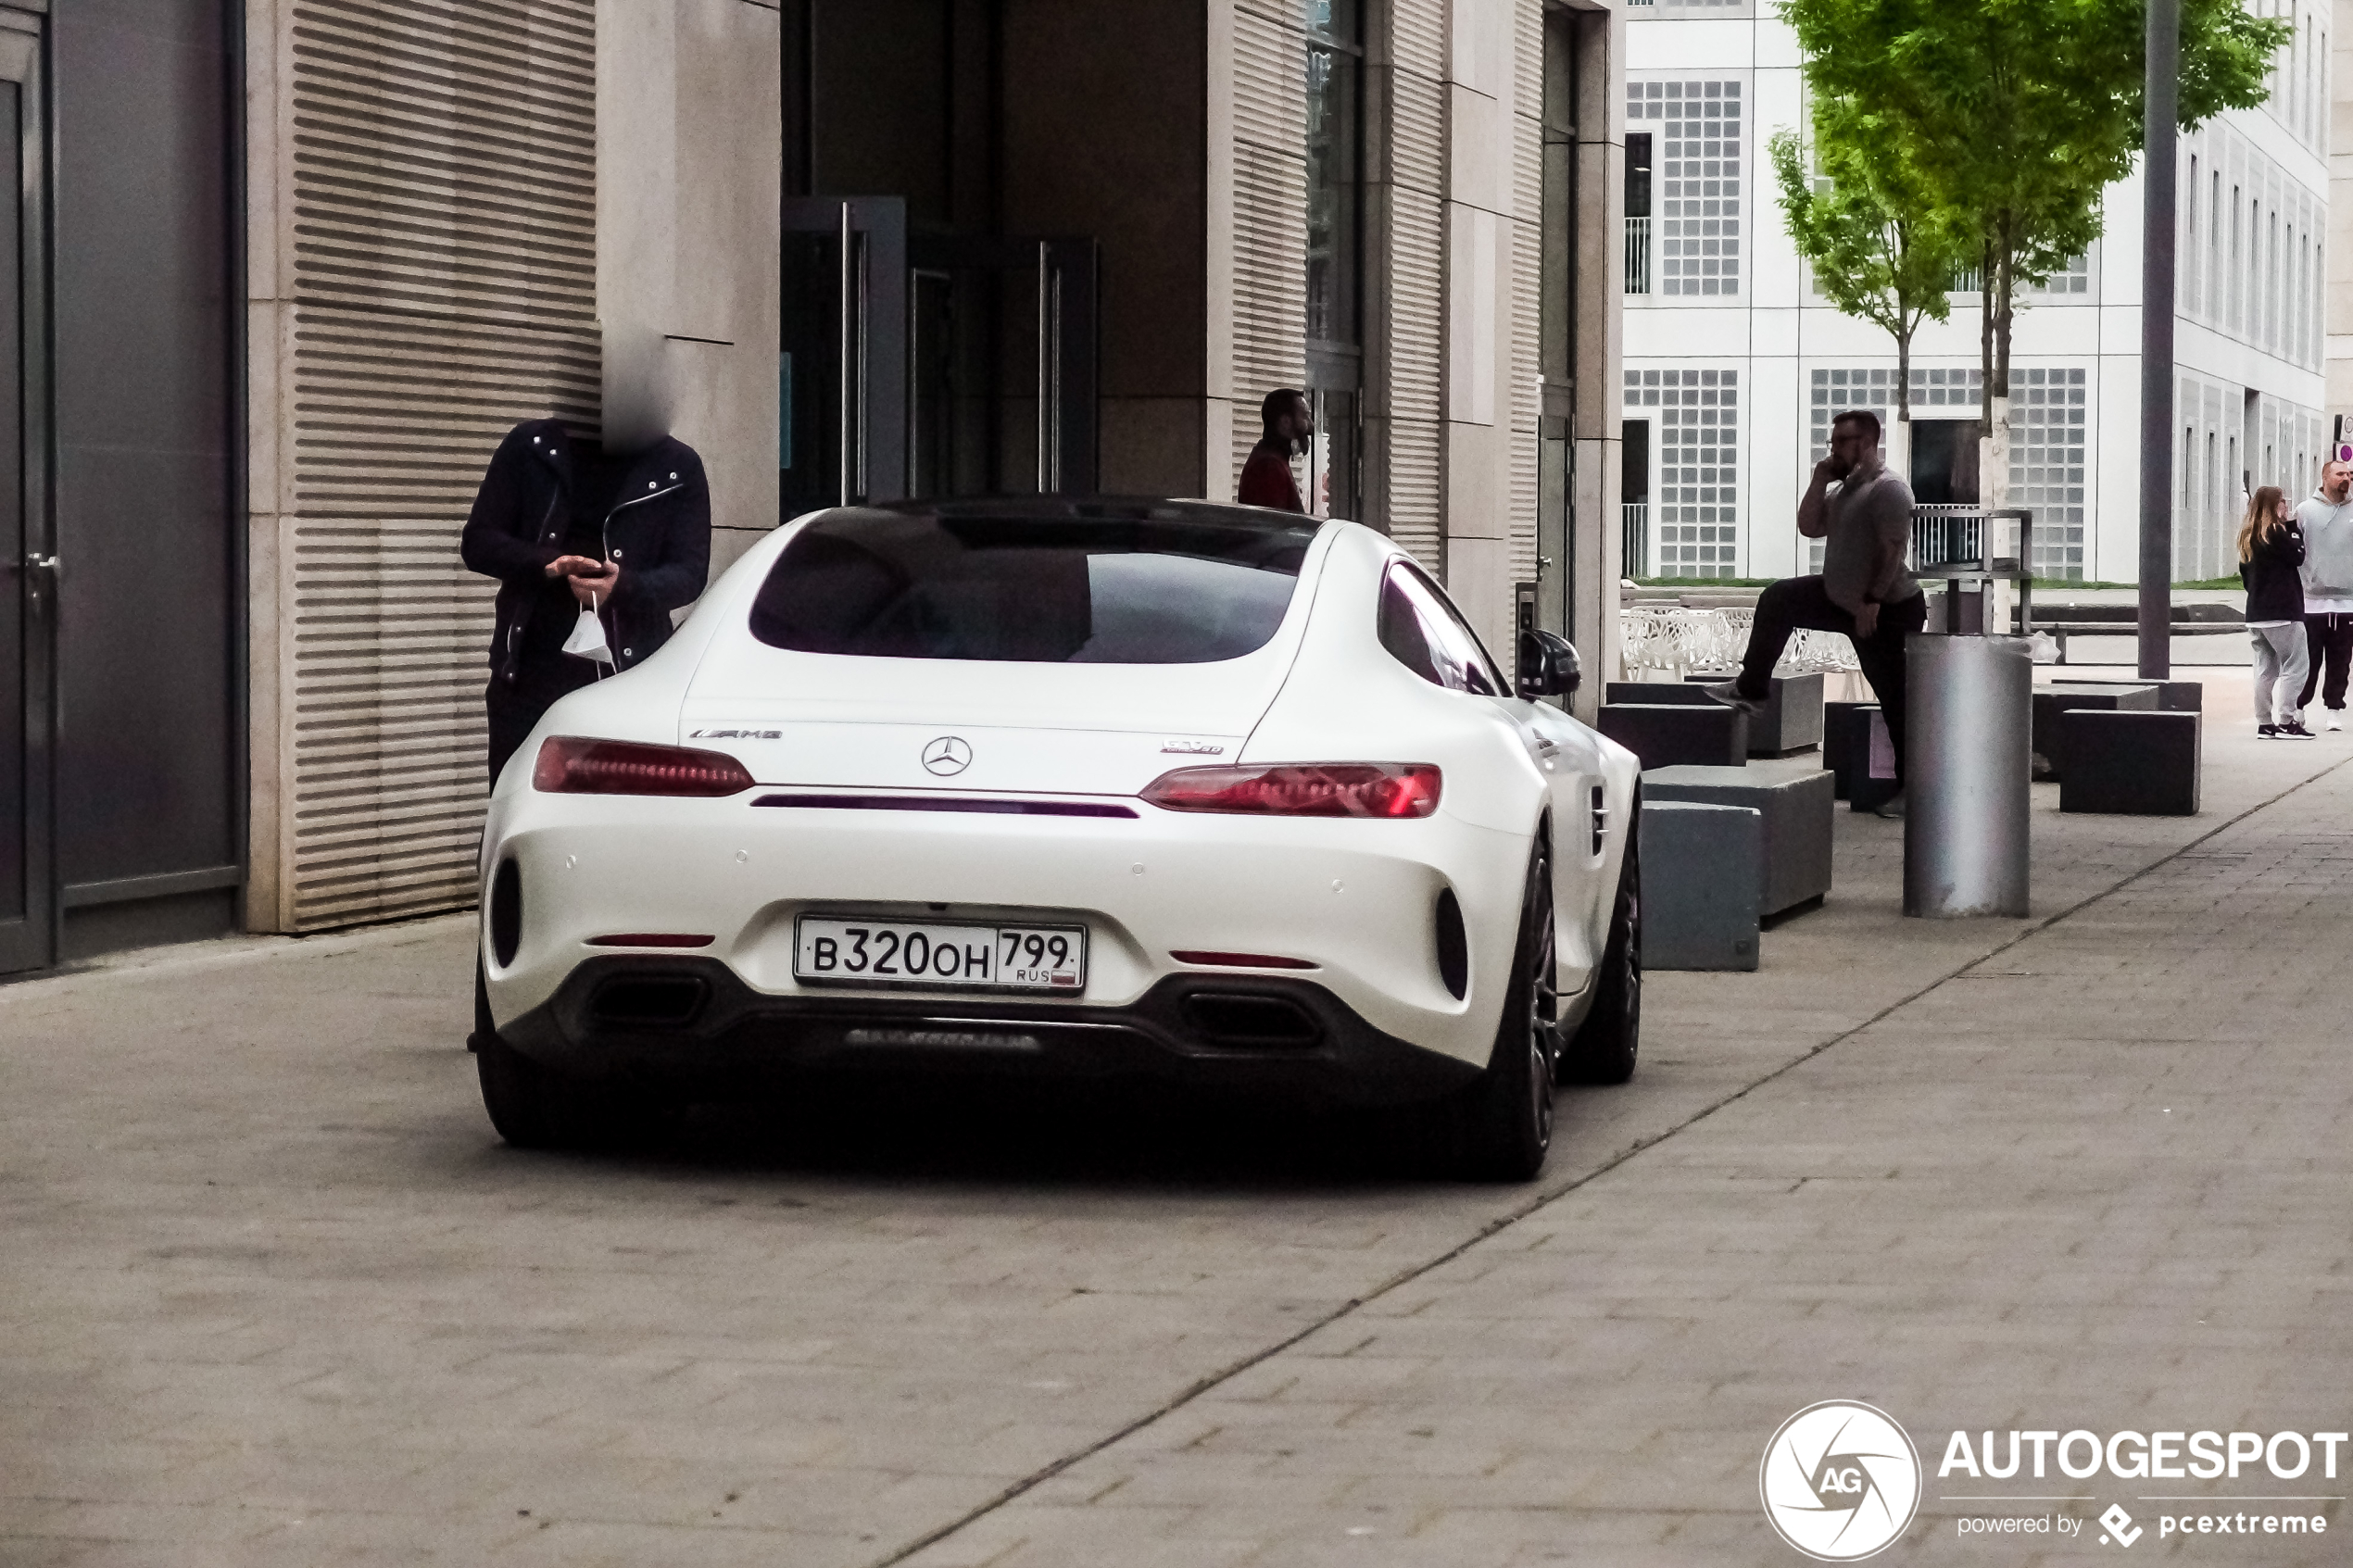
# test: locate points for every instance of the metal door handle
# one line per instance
(39, 571)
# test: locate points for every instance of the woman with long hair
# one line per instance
(2271, 554)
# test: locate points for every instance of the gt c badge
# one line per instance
(946, 755)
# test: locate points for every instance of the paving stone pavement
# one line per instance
(273, 1294)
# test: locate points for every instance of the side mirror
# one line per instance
(1548, 666)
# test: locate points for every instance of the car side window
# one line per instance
(1423, 633)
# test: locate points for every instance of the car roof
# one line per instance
(1107, 509)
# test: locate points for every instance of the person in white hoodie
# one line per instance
(2327, 523)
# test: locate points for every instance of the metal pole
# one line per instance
(2161, 101)
(848, 352)
(1045, 371)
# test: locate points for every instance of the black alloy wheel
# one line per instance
(1504, 1122)
(1607, 1042)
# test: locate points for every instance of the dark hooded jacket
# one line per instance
(657, 531)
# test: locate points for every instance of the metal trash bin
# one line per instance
(1966, 838)
(1968, 806)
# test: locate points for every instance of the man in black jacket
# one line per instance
(564, 524)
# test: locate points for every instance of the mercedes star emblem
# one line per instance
(949, 754)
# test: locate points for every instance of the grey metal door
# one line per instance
(28, 570)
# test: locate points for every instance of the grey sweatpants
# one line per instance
(2281, 663)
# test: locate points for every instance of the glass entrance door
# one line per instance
(842, 377)
(932, 365)
(28, 569)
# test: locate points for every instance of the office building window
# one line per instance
(1694, 493)
(1697, 230)
(1335, 65)
(2046, 465)
(1335, 249)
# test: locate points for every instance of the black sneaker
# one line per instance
(2296, 731)
(2266, 732)
(1729, 693)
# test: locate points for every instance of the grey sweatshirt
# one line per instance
(1870, 532)
(2328, 547)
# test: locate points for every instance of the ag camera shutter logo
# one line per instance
(1841, 1481)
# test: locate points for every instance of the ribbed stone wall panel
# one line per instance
(1270, 215)
(443, 288)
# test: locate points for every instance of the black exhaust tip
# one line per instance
(1241, 1021)
(648, 1001)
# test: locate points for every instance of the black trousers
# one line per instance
(515, 711)
(2330, 638)
(1802, 601)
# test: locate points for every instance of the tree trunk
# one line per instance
(1985, 270)
(1996, 481)
(1899, 434)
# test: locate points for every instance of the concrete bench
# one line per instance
(2172, 697)
(1701, 866)
(2067, 696)
(1839, 750)
(1852, 733)
(1792, 718)
(1790, 721)
(2128, 762)
(1665, 734)
(1795, 800)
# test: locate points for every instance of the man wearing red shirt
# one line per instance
(1266, 479)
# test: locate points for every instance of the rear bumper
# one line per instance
(682, 1020)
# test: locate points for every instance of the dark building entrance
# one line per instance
(1945, 462)
(121, 669)
(919, 365)
(932, 345)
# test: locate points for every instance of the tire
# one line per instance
(534, 1107)
(1607, 1042)
(1504, 1122)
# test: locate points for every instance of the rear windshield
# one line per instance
(1036, 590)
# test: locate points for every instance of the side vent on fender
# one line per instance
(506, 912)
(1453, 946)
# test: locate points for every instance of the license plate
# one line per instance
(940, 954)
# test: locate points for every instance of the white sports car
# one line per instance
(1154, 787)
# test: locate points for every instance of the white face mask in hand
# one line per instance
(587, 639)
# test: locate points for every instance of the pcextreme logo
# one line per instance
(1840, 1481)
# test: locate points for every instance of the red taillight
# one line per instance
(574, 765)
(1302, 789)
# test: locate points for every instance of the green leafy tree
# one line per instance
(1881, 251)
(2015, 116)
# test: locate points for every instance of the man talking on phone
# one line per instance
(567, 522)
(1865, 591)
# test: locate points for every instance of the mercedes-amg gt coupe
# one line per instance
(1046, 786)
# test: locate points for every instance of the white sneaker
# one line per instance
(2335, 720)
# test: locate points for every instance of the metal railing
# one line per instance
(1966, 535)
(1638, 256)
(1635, 538)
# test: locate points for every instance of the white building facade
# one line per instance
(1735, 364)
